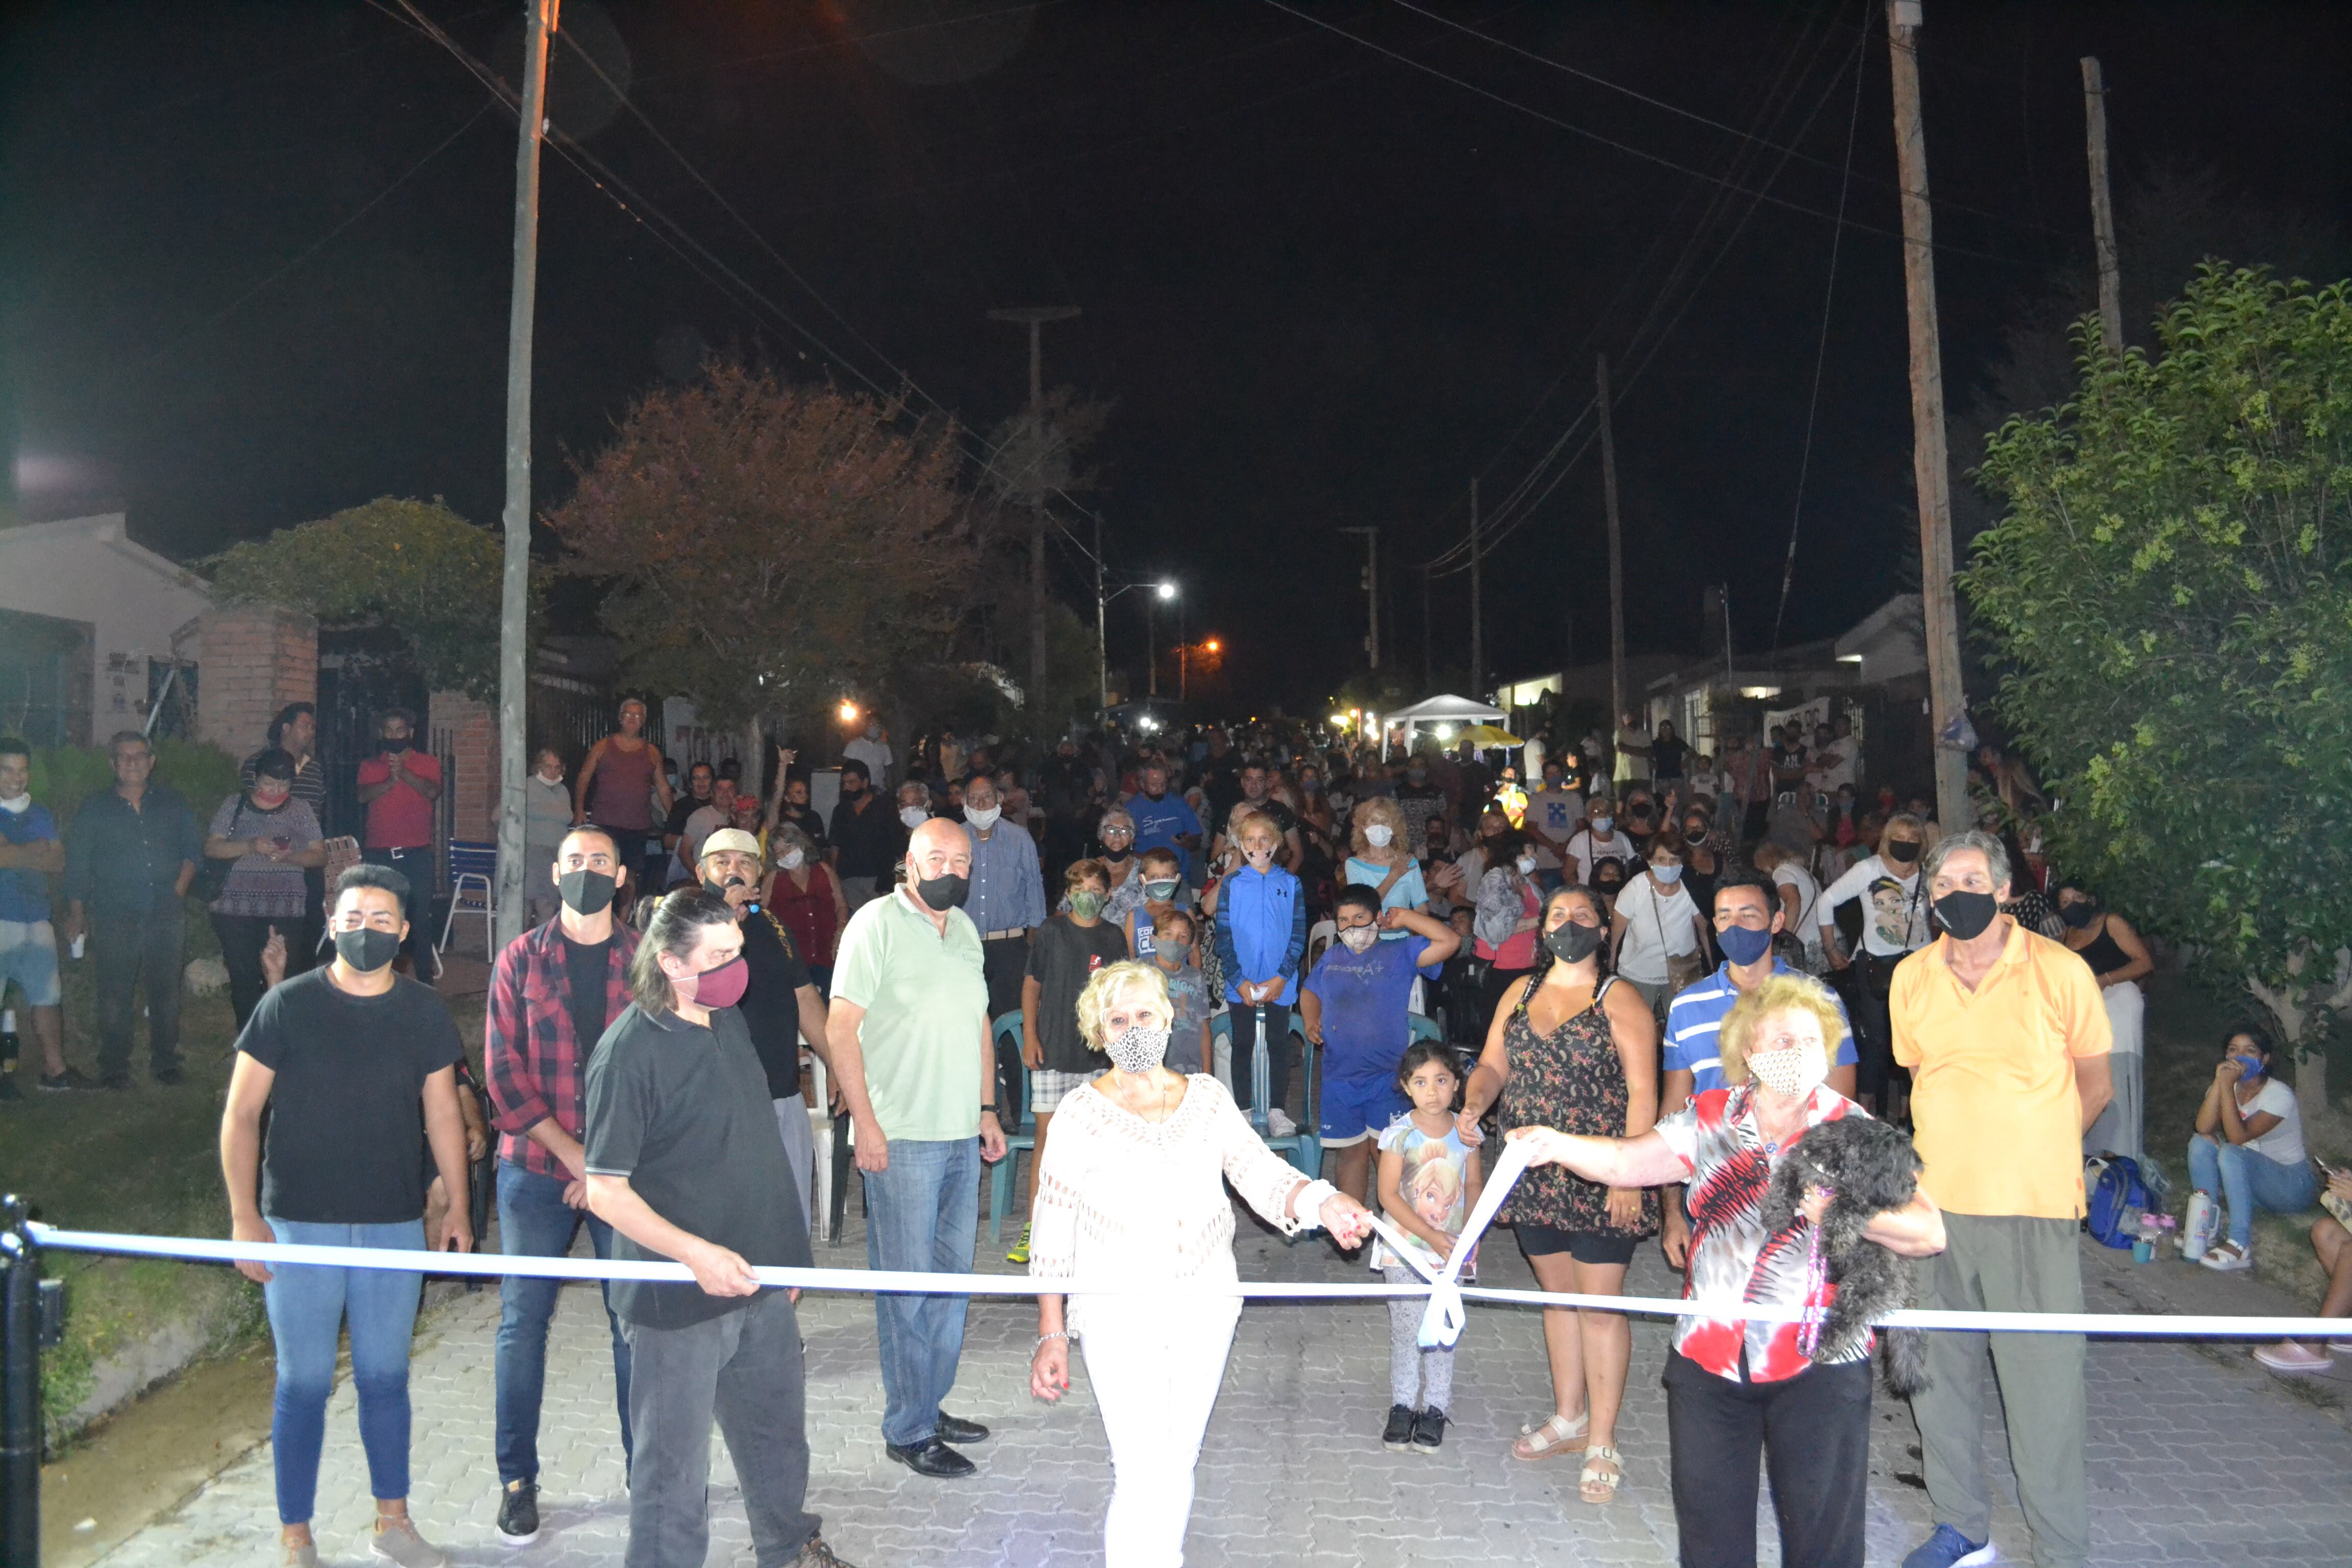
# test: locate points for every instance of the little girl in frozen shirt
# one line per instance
(1429, 1183)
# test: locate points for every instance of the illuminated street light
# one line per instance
(1340, 720)
(1167, 590)
(849, 712)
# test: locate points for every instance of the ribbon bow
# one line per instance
(1442, 1320)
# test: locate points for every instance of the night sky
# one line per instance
(1325, 287)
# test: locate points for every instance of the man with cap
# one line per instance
(780, 1005)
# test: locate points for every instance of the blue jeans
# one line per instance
(535, 1222)
(922, 1213)
(2249, 1180)
(308, 1306)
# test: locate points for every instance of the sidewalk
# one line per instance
(2197, 1456)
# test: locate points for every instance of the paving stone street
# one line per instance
(2196, 1456)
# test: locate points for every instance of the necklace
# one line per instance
(1156, 1099)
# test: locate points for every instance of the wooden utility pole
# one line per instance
(514, 595)
(1477, 606)
(1930, 461)
(2103, 211)
(1616, 547)
(1371, 589)
(1102, 643)
(1035, 317)
(1428, 665)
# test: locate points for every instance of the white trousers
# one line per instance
(1155, 1379)
(2118, 1131)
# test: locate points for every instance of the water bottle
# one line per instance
(2198, 1226)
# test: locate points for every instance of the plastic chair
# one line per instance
(1020, 1133)
(1303, 1148)
(821, 1203)
(473, 882)
(1319, 937)
(1424, 1029)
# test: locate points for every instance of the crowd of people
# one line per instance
(1657, 968)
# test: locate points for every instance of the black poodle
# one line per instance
(1866, 1166)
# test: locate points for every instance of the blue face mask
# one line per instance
(1667, 874)
(1744, 944)
(2254, 1065)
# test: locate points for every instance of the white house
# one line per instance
(92, 625)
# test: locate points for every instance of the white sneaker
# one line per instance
(396, 1540)
(1279, 1124)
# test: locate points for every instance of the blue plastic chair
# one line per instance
(1425, 1028)
(1020, 1133)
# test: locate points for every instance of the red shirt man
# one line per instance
(399, 786)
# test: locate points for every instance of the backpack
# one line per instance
(2118, 1196)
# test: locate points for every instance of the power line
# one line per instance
(1821, 357)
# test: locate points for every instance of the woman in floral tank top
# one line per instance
(1571, 1049)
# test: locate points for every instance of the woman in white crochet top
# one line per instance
(1132, 1192)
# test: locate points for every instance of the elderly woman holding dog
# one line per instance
(1735, 1386)
(1132, 1191)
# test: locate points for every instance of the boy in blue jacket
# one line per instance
(1261, 935)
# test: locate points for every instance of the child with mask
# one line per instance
(1067, 951)
(1354, 1009)
(1161, 882)
(1261, 911)
(1189, 1046)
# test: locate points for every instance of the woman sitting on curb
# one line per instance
(2248, 1149)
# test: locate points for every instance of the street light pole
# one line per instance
(1102, 646)
(514, 595)
(1035, 317)
(1371, 589)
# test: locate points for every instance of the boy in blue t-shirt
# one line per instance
(1354, 1008)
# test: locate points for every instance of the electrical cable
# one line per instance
(1821, 357)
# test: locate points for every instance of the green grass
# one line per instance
(142, 1160)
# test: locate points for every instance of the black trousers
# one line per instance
(242, 938)
(126, 950)
(416, 865)
(1002, 963)
(1277, 1054)
(1812, 1431)
(1874, 1032)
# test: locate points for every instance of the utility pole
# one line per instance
(2103, 211)
(1035, 317)
(1616, 547)
(1930, 462)
(1428, 667)
(1477, 606)
(1151, 645)
(1102, 648)
(1371, 588)
(514, 597)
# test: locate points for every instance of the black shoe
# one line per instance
(170, 1077)
(518, 1513)
(1428, 1430)
(932, 1458)
(115, 1080)
(1398, 1433)
(70, 1080)
(956, 1429)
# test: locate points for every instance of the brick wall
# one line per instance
(252, 659)
(474, 744)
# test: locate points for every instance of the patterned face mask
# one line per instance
(1792, 1070)
(1358, 938)
(1139, 1050)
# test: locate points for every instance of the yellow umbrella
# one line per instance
(1489, 735)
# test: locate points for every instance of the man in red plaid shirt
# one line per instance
(555, 991)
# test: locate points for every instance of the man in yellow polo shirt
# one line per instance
(2007, 1041)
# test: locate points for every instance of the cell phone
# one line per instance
(2326, 1170)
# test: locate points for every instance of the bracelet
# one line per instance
(1062, 1334)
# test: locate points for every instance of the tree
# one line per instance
(2170, 596)
(769, 547)
(414, 566)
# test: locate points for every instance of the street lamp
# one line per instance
(1184, 665)
(1167, 590)
(848, 712)
(1104, 594)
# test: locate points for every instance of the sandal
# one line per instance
(1597, 1485)
(1555, 1434)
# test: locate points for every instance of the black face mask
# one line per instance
(2077, 915)
(366, 948)
(1901, 852)
(1966, 915)
(1572, 943)
(719, 890)
(942, 894)
(585, 893)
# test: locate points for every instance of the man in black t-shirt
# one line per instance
(780, 1002)
(685, 1165)
(358, 1068)
(866, 836)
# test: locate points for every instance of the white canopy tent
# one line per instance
(1432, 711)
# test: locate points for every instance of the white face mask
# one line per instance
(981, 817)
(1358, 938)
(1794, 1071)
(1139, 1050)
(1527, 865)
(913, 816)
(794, 860)
(1378, 834)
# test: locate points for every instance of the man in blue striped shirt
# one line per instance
(1748, 916)
(1007, 901)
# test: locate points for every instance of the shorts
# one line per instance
(1047, 1088)
(28, 955)
(1595, 1247)
(1353, 1112)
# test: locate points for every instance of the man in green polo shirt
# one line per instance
(908, 1030)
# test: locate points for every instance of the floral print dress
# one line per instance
(1569, 1079)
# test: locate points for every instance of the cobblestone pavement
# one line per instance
(2196, 1456)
